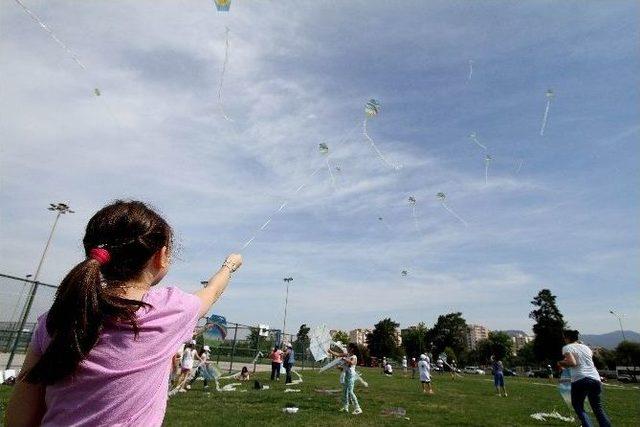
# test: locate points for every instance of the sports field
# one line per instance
(467, 401)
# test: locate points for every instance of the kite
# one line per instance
(224, 68)
(222, 5)
(470, 69)
(564, 387)
(474, 137)
(442, 197)
(320, 341)
(324, 150)
(96, 91)
(404, 272)
(412, 203)
(371, 109)
(550, 95)
(215, 329)
(487, 160)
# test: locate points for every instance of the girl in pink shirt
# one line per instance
(102, 354)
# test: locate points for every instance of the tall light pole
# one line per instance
(619, 321)
(61, 209)
(287, 280)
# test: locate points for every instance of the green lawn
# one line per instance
(468, 401)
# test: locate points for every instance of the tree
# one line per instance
(449, 331)
(414, 340)
(382, 341)
(628, 354)
(302, 338)
(548, 341)
(525, 355)
(341, 336)
(363, 355)
(254, 337)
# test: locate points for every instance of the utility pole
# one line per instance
(620, 322)
(61, 209)
(287, 280)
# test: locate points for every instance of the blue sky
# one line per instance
(558, 211)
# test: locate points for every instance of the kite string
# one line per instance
(51, 34)
(282, 206)
(544, 118)
(222, 74)
(452, 212)
(475, 139)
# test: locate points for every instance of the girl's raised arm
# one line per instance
(218, 283)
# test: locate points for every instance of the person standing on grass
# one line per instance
(414, 367)
(276, 363)
(101, 355)
(202, 367)
(349, 362)
(585, 379)
(289, 360)
(189, 356)
(498, 376)
(424, 368)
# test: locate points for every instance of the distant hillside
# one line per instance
(516, 332)
(609, 340)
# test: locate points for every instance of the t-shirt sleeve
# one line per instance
(176, 313)
(565, 349)
(40, 338)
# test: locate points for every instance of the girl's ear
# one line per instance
(161, 258)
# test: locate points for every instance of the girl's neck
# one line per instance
(136, 290)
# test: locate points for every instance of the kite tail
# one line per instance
(333, 181)
(222, 73)
(486, 173)
(444, 205)
(470, 70)
(415, 218)
(544, 118)
(520, 162)
(375, 148)
(51, 34)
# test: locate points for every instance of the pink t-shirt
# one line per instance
(123, 382)
(276, 356)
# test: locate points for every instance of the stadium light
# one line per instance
(61, 209)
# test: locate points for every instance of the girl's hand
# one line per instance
(233, 262)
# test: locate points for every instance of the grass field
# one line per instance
(467, 401)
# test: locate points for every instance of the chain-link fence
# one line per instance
(240, 345)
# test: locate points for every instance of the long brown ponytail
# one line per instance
(90, 294)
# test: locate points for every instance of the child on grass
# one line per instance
(350, 361)
(101, 355)
(425, 376)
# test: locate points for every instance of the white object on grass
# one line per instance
(544, 416)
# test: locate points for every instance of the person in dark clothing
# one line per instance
(289, 360)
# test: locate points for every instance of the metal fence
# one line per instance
(242, 346)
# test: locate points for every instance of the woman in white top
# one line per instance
(585, 379)
(425, 374)
(350, 361)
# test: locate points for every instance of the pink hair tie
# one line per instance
(100, 254)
